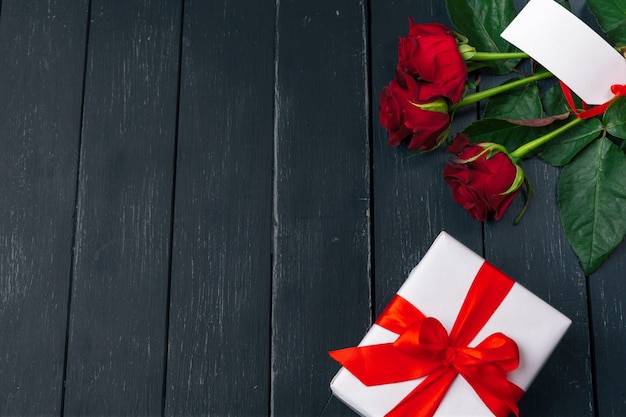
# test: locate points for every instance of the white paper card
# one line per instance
(569, 49)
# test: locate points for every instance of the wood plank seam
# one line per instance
(75, 213)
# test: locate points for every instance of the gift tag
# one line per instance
(569, 49)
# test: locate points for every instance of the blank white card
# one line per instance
(569, 49)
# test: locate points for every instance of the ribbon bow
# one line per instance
(617, 89)
(424, 348)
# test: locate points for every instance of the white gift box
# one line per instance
(437, 286)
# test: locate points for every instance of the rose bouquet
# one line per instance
(523, 117)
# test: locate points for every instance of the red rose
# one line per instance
(408, 107)
(430, 53)
(484, 180)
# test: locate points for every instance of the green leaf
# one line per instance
(504, 133)
(562, 149)
(516, 104)
(615, 118)
(611, 16)
(592, 202)
(554, 102)
(482, 21)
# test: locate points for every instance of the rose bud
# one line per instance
(430, 53)
(483, 178)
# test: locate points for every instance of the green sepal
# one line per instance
(529, 193)
(437, 106)
(517, 182)
(467, 52)
(488, 148)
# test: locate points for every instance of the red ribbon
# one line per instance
(424, 348)
(616, 89)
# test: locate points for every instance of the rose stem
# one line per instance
(534, 144)
(494, 56)
(481, 95)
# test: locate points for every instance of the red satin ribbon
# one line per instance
(424, 348)
(616, 89)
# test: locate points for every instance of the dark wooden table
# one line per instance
(197, 202)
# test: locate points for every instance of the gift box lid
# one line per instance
(437, 286)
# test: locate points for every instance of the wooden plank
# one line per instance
(42, 49)
(607, 287)
(536, 254)
(608, 326)
(321, 289)
(116, 352)
(221, 274)
(413, 204)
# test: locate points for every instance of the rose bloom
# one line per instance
(483, 180)
(403, 113)
(430, 53)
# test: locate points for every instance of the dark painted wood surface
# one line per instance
(321, 288)
(117, 317)
(221, 255)
(198, 202)
(42, 49)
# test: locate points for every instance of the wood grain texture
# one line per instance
(42, 60)
(607, 287)
(117, 340)
(412, 203)
(239, 211)
(536, 254)
(415, 204)
(221, 273)
(321, 285)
